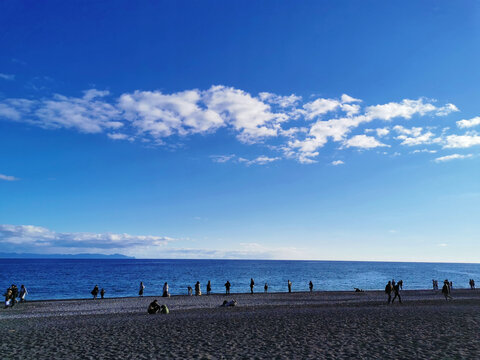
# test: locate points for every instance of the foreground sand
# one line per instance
(299, 325)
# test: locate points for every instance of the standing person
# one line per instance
(393, 283)
(198, 291)
(451, 285)
(23, 293)
(265, 288)
(310, 286)
(227, 287)
(289, 284)
(189, 290)
(95, 292)
(8, 296)
(473, 284)
(102, 293)
(401, 284)
(252, 284)
(388, 291)
(165, 290)
(433, 284)
(140, 290)
(396, 290)
(446, 291)
(14, 294)
(209, 287)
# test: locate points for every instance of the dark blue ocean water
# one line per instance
(63, 279)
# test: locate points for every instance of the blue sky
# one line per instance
(337, 130)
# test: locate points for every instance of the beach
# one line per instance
(276, 325)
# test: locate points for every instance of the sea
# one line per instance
(75, 278)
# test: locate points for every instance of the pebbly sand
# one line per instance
(319, 325)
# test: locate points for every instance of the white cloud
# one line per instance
(7, 76)
(364, 142)
(415, 136)
(348, 99)
(282, 101)
(424, 151)
(337, 162)
(469, 123)
(380, 131)
(447, 109)
(30, 238)
(461, 141)
(405, 109)
(260, 160)
(119, 136)
(452, 157)
(319, 107)
(8, 177)
(222, 158)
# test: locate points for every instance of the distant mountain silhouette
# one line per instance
(62, 256)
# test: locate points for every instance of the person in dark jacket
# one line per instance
(396, 290)
(388, 291)
(102, 293)
(198, 291)
(310, 286)
(209, 287)
(154, 307)
(289, 284)
(252, 284)
(227, 287)
(95, 292)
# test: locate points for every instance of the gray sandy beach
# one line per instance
(279, 325)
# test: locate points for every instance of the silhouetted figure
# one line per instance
(388, 291)
(227, 287)
(265, 288)
(153, 308)
(446, 290)
(396, 290)
(358, 290)
(102, 293)
(198, 291)
(8, 297)
(401, 284)
(164, 309)
(165, 290)
(252, 284)
(393, 283)
(190, 291)
(310, 286)
(451, 285)
(473, 284)
(140, 290)
(95, 292)
(23, 293)
(209, 287)
(289, 284)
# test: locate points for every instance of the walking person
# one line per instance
(102, 293)
(140, 290)
(388, 291)
(165, 290)
(23, 293)
(265, 288)
(310, 286)
(198, 291)
(252, 284)
(209, 287)
(95, 292)
(446, 291)
(227, 287)
(289, 284)
(401, 284)
(396, 290)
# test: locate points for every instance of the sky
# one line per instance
(324, 130)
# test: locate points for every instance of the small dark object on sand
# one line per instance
(358, 290)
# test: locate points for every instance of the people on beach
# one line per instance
(23, 293)
(189, 291)
(140, 290)
(358, 290)
(198, 291)
(396, 290)
(400, 283)
(388, 291)
(252, 284)
(94, 292)
(446, 290)
(14, 294)
(8, 297)
(289, 284)
(209, 287)
(229, 303)
(310, 285)
(471, 282)
(165, 290)
(164, 309)
(102, 293)
(265, 288)
(435, 284)
(154, 307)
(227, 287)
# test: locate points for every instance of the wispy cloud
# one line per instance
(7, 76)
(8, 177)
(452, 157)
(337, 162)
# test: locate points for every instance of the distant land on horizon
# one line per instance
(62, 256)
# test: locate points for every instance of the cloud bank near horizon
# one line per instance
(288, 126)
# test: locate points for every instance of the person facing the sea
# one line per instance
(289, 284)
(95, 292)
(209, 287)
(165, 290)
(227, 287)
(388, 291)
(189, 291)
(252, 284)
(310, 286)
(153, 308)
(140, 290)
(198, 291)
(265, 288)
(23, 293)
(102, 293)
(446, 290)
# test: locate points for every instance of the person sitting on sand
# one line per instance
(388, 291)
(252, 284)
(189, 291)
(198, 291)
(396, 290)
(358, 290)
(446, 291)
(310, 285)
(265, 288)
(95, 292)
(164, 309)
(229, 303)
(227, 287)
(23, 293)
(102, 293)
(289, 284)
(153, 308)
(165, 290)
(209, 287)
(142, 287)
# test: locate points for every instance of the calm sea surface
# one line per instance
(63, 279)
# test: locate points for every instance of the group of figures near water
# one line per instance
(12, 294)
